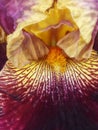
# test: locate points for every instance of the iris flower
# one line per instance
(50, 78)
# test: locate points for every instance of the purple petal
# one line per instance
(37, 98)
(10, 11)
(6, 21)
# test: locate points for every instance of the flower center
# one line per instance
(57, 59)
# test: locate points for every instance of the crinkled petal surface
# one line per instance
(85, 15)
(83, 12)
(37, 98)
(69, 17)
(27, 48)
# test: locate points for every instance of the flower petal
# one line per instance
(85, 15)
(54, 26)
(69, 43)
(37, 92)
(25, 48)
(39, 25)
(26, 13)
(83, 12)
(14, 11)
(79, 15)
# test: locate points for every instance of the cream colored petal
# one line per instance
(31, 14)
(19, 53)
(81, 15)
(43, 5)
(25, 48)
(15, 40)
(54, 26)
(69, 43)
(85, 15)
(74, 46)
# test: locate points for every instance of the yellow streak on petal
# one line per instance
(57, 59)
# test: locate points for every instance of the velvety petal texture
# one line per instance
(37, 97)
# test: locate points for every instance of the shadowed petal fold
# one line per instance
(2, 35)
